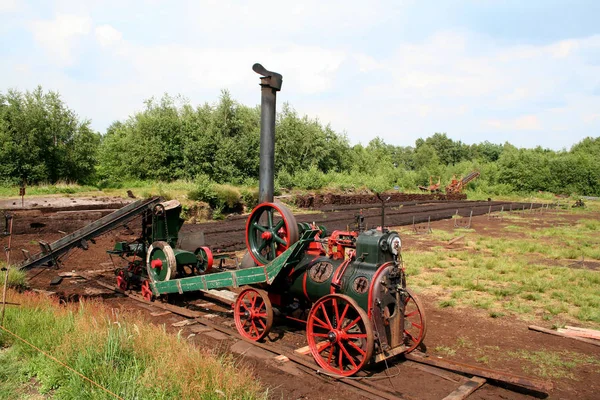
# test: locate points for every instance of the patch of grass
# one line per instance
(445, 350)
(118, 350)
(447, 303)
(553, 364)
(16, 278)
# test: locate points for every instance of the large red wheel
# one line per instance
(253, 314)
(415, 325)
(340, 336)
(270, 230)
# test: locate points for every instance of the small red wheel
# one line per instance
(253, 314)
(146, 291)
(205, 259)
(415, 325)
(340, 336)
(121, 281)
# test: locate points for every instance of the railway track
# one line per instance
(467, 378)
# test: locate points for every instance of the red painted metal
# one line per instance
(146, 291)
(253, 314)
(121, 281)
(339, 335)
(209, 258)
(156, 264)
(373, 280)
(339, 241)
(415, 325)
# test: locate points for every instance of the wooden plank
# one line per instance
(581, 334)
(576, 328)
(456, 239)
(449, 376)
(500, 376)
(303, 350)
(466, 389)
(555, 333)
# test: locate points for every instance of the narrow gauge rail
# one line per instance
(230, 235)
(364, 387)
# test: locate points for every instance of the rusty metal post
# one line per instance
(270, 83)
(9, 220)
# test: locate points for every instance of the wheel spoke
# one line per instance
(273, 253)
(340, 361)
(264, 315)
(329, 359)
(407, 333)
(337, 313)
(264, 326)
(262, 245)
(410, 314)
(255, 328)
(261, 228)
(270, 218)
(356, 335)
(344, 313)
(327, 345)
(326, 316)
(279, 225)
(242, 303)
(320, 334)
(419, 327)
(321, 323)
(279, 240)
(351, 324)
(361, 351)
(348, 355)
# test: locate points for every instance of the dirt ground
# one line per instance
(474, 336)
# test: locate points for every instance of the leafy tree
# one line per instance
(43, 140)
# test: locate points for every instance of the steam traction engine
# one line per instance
(349, 288)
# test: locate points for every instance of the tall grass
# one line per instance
(118, 350)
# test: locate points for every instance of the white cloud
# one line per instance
(58, 37)
(8, 6)
(107, 36)
(524, 123)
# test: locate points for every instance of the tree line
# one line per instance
(43, 140)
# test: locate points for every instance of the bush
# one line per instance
(227, 198)
(205, 190)
(249, 197)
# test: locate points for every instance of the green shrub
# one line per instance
(249, 197)
(204, 190)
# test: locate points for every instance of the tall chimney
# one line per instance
(270, 84)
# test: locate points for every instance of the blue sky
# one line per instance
(527, 72)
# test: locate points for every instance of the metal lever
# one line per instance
(270, 78)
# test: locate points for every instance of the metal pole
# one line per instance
(270, 83)
(7, 270)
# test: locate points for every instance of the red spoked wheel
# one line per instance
(146, 291)
(340, 336)
(415, 325)
(121, 281)
(253, 314)
(270, 230)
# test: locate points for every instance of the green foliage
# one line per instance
(41, 140)
(16, 278)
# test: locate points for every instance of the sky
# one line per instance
(526, 72)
